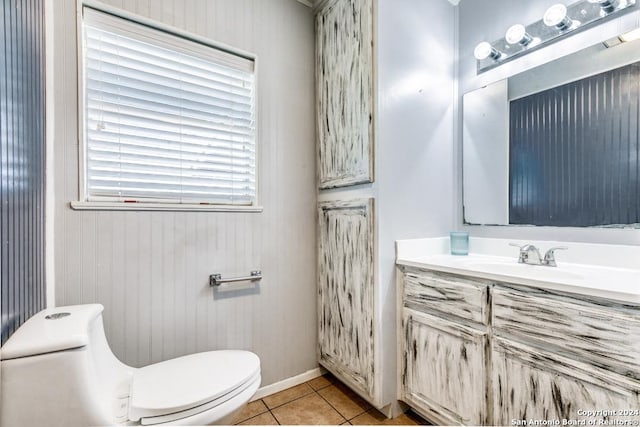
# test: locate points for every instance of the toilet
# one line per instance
(58, 369)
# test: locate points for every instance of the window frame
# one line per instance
(82, 203)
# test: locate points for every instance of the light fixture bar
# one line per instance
(559, 21)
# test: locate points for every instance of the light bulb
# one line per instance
(518, 34)
(556, 16)
(608, 6)
(484, 50)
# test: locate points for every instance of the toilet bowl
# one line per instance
(58, 369)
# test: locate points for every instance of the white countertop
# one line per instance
(613, 279)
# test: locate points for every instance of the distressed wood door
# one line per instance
(443, 370)
(344, 92)
(346, 291)
(533, 384)
(593, 330)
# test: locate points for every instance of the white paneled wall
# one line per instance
(150, 269)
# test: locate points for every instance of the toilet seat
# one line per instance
(182, 387)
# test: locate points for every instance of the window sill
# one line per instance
(168, 207)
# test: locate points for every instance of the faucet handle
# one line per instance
(550, 257)
(522, 257)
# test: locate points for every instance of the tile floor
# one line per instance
(323, 400)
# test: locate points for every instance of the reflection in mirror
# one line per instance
(557, 145)
(485, 132)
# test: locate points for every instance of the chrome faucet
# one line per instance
(550, 256)
(529, 254)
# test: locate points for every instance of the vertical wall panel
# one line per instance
(22, 148)
(150, 269)
(574, 152)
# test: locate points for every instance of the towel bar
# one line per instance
(216, 278)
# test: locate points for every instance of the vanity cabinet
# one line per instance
(602, 333)
(444, 347)
(476, 352)
(529, 383)
(554, 354)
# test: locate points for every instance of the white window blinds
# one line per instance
(166, 119)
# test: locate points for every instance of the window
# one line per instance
(165, 119)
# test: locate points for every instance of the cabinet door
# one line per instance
(443, 369)
(344, 70)
(346, 291)
(597, 331)
(532, 384)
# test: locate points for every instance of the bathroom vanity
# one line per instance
(485, 341)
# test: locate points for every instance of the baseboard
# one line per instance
(287, 383)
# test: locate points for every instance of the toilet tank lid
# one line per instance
(51, 330)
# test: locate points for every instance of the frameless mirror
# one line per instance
(557, 145)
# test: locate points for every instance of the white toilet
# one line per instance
(58, 370)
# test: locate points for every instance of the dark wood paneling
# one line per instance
(575, 152)
(22, 150)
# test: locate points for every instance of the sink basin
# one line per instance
(540, 272)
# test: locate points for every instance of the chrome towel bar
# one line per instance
(216, 278)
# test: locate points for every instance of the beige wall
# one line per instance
(150, 269)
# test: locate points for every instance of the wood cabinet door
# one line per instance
(530, 384)
(443, 372)
(344, 92)
(597, 331)
(346, 291)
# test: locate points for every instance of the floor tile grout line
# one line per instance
(319, 395)
(253, 416)
(336, 409)
(293, 400)
(274, 417)
(332, 407)
(321, 388)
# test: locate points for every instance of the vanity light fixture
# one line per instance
(484, 50)
(559, 21)
(556, 16)
(517, 34)
(608, 6)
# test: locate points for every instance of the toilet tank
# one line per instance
(57, 369)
